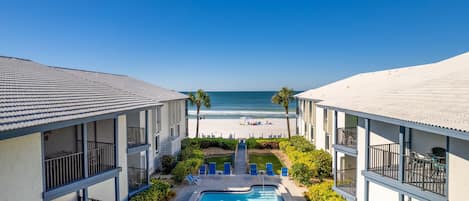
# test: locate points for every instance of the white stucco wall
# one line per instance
(73, 196)
(320, 134)
(361, 148)
(458, 175)
(380, 193)
(103, 191)
(423, 142)
(122, 133)
(383, 133)
(21, 168)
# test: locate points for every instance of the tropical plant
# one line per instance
(283, 98)
(323, 192)
(198, 99)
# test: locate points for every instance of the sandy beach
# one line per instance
(225, 127)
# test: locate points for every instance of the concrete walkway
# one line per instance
(240, 160)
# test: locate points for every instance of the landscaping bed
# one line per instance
(220, 160)
(262, 158)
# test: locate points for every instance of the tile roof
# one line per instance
(434, 94)
(129, 84)
(33, 94)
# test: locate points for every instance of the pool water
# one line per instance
(257, 193)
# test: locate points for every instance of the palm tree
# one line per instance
(283, 98)
(200, 98)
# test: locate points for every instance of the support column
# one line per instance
(334, 135)
(85, 157)
(116, 157)
(147, 151)
(367, 156)
(401, 158)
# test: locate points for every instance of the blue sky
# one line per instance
(234, 45)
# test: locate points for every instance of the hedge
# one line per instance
(323, 192)
(158, 191)
(254, 143)
(300, 151)
(203, 143)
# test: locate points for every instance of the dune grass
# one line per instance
(220, 160)
(262, 159)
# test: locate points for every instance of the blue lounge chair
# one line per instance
(192, 180)
(203, 170)
(212, 168)
(269, 169)
(227, 168)
(284, 172)
(253, 169)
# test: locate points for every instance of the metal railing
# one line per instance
(347, 180)
(426, 173)
(347, 137)
(135, 136)
(66, 169)
(137, 178)
(421, 171)
(63, 170)
(101, 158)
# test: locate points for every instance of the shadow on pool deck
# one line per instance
(287, 188)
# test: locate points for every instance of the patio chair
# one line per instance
(191, 180)
(284, 172)
(203, 169)
(212, 168)
(253, 169)
(227, 168)
(269, 169)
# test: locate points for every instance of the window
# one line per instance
(172, 132)
(178, 130)
(158, 119)
(325, 123)
(157, 144)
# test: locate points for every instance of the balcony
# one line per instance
(347, 137)
(137, 178)
(135, 136)
(347, 180)
(425, 171)
(65, 168)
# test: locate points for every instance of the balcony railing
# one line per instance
(63, 170)
(137, 178)
(347, 180)
(66, 169)
(135, 136)
(347, 137)
(420, 170)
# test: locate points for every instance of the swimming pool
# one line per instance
(257, 193)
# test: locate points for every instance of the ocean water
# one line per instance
(236, 104)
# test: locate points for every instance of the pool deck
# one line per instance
(287, 188)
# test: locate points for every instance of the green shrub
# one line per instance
(158, 191)
(183, 168)
(322, 192)
(167, 163)
(323, 164)
(191, 152)
(203, 143)
(318, 162)
(254, 143)
(301, 173)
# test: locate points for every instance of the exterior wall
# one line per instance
(458, 166)
(103, 191)
(383, 133)
(378, 192)
(61, 140)
(361, 161)
(122, 139)
(423, 142)
(73, 196)
(320, 133)
(20, 165)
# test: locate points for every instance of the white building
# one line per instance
(68, 134)
(400, 134)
